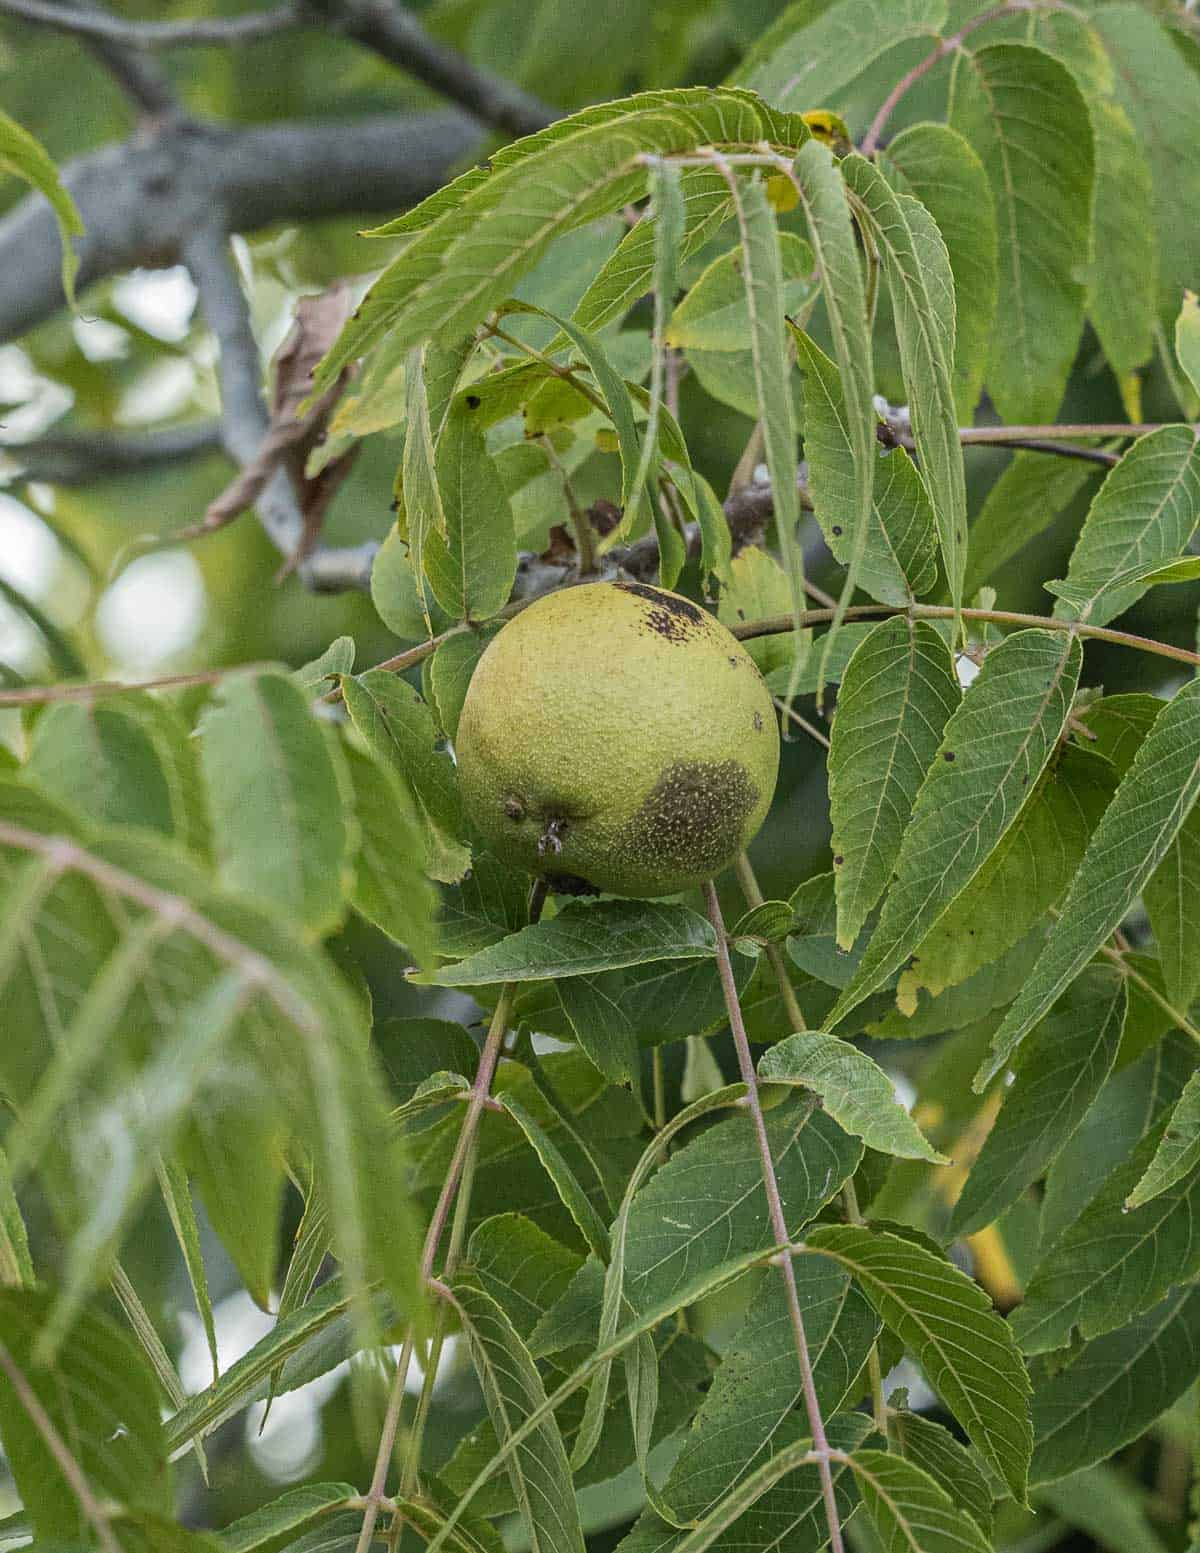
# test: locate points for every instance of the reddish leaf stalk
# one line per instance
(779, 1227)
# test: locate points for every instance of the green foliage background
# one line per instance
(249, 947)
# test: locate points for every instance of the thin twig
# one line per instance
(802, 723)
(945, 46)
(39, 695)
(1069, 430)
(1177, 1016)
(753, 896)
(79, 458)
(778, 1219)
(57, 1446)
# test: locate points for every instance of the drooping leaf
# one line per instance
(855, 1091)
(897, 692)
(399, 730)
(583, 939)
(285, 1520)
(574, 1198)
(513, 1390)
(1171, 896)
(1178, 1153)
(899, 562)
(1067, 1059)
(1187, 339)
(938, 166)
(281, 833)
(177, 1198)
(994, 748)
(1151, 803)
(921, 285)
(390, 887)
(1115, 1387)
(21, 154)
(1143, 514)
(471, 565)
(821, 191)
(1039, 162)
(1102, 1502)
(947, 1322)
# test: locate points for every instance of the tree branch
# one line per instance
(223, 30)
(396, 35)
(244, 419)
(78, 458)
(141, 198)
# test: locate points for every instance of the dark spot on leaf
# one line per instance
(836, 529)
(473, 401)
(838, 861)
(949, 755)
(692, 820)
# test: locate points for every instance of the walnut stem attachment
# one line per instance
(779, 1229)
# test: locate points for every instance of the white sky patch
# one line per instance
(153, 611)
(159, 301)
(164, 389)
(967, 670)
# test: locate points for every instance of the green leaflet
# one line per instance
(470, 563)
(1115, 1387)
(897, 692)
(899, 562)
(390, 887)
(806, 61)
(1024, 116)
(854, 1090)
(1143, 515)
(281, 829)
(1178, 1152)
(994, 748)
(936, 164)
(956, 1467)
(1151, 803)
(1066, 1061)
(762, 275)
(947, 1322)
(524, 1270)
(1187, 339)
(921, 285)
(756, 1391)
(909, 1509)
(493, 230)
(512, 1387)
(583, 939)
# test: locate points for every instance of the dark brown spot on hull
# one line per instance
(692, 822)
(671, 617)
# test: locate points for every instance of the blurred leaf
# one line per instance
(21, 154)
(58, 644)
(389, 886)
(1187, 339)
(16, 1265)
(1039, 165)
(280, 829)
(1031, 492)
(1115, 1387)
(399, 731)
(1067, 1060)
(714, 315)
(1106, 1505)
(98, 1394)
(854, 1090)
(177, 1197)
